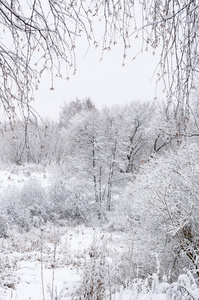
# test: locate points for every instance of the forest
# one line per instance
(124, 172)
(101, 204)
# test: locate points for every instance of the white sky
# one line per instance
(106, 82)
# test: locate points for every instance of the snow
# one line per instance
(24, 280)
(30, 286)
(10, 178)
(48, 264)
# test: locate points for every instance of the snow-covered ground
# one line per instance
(56, 268)
(19, 176)
(49, 263)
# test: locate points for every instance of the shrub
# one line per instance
(183, 289)
(70, 201)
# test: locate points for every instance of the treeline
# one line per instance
(104, 147)
(133, 160)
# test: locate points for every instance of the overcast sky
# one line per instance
(106, 82)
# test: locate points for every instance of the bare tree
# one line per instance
(41, 35)
(37, 36)
(173, 26)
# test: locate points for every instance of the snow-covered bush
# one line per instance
(69, 201)
(33, 197)
(96, 283)
(183, 289)
(23, 208)
(17, 213)
(4, 225)
(140, 286)
(163, 286)
(7, 266)
(165, 209)
(32, 204)
(126, 271)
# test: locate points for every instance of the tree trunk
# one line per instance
(94, 172)
(110, 176)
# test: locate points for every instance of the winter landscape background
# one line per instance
(102, 204)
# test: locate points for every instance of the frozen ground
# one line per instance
(18, 177)
(58, 265)
(48, 263)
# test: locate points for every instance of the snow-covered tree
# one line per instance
(138, 134)
(42, 35)
(165, 207)
(69, 110)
